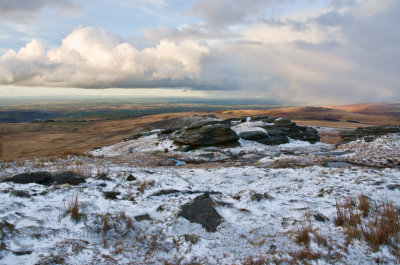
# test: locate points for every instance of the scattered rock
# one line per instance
(320, 217)
(173, 191)
(393, 186)
(103, 185)
(378, 183)
(143, 217)
(111, 194)
(258, 196)
(165, 192)
(22, 252)
(191, 238)
(272, 248)
(201, 211)
(103, 176)
(130, 178)
(21, 193)
(367, 133)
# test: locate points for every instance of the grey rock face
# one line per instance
(206, 133)
(275, 138)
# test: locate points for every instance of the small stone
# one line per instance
(320, 218)
(191, 238)
(130, 178)
(20, 193)
(111, 194)
(143, 217)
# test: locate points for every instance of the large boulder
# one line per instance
(46, 178)
(43, 178)
(275, 138)
(367, 133)
(70, 178)
(211, 132)
(202, 211)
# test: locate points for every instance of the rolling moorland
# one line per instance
(136, 190)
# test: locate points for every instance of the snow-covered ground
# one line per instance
(262, 204)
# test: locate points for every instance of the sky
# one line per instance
(312, 52)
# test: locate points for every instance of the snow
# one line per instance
(249, 229)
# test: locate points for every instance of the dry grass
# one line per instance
(303, 233)
(144, 185)
(73, 208)
(384, 228)
(377, 225)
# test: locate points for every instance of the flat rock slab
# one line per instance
(201, 211)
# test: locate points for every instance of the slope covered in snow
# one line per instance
(265, 198)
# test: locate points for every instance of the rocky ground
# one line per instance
(257, 191)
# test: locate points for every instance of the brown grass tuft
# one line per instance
(73, 208)
(378, 225)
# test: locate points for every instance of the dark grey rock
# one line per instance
(43, 178)
(68, 178)
(207, 155)
(276, 138)
(22, 252)
(143, 217)
(320, 217)
(206, 133)
(131, 178)
(21, 193)
(111, 194)
(202, 211)
(103, 176)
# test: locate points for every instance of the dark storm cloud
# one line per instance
(24, 10)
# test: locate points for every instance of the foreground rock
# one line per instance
(210, 132)
(367, 133)
(46, 178)
(201, 211)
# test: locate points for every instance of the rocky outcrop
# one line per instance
(271, 138)
(45, 178)
(202, 211)
(278, 131)
(210, 132)
(367, 133)
(289, 129)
